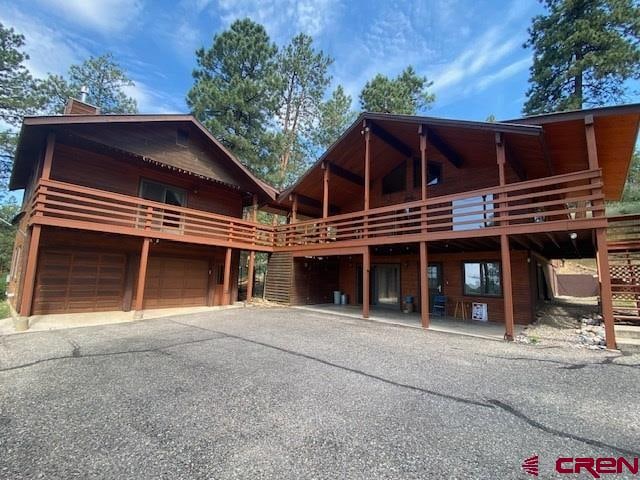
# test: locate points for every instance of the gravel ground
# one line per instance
(281, 393)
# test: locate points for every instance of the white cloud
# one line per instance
(283, 18)
(105, 16)
(50, 50)
(152, 100)
(502, 74)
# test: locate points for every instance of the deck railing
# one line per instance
(73, 206)
(525, 207)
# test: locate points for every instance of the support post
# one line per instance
(423, 160)
(226, 286)
(424, 286)
(507, 289)
(48, 156)
(294, 208)
(606, 296)
(501, 158)
(367, 164)
(29, 281)
(366, 271)
(252, 254)
(142, 277)
(325, 190)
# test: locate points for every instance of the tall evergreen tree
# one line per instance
(234, 94)
(584, 52)
(335, 116)
(104, 79)
(303, 76)
(408, 93)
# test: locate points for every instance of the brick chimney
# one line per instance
(78, 107)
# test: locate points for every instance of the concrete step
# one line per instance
(627, 331)
(628, 345)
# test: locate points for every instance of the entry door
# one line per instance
(434, 276)
(386, 281)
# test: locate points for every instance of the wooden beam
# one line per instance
(507, 289)
(313, 203)
(424, 286)
(366, 271)
(325, 191)
(547, 155)
(516, 165)
(345, 174)
(250, 271)
(367, 164)
(448, 152)
(294, 208)
(395, 143)
(29, 282)
(48, 156)
(606, 296)
(422, 131)
(142, 274)
(226, 285)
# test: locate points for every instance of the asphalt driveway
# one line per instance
(282, 393)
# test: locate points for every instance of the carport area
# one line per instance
(286, 393)
(442, 324)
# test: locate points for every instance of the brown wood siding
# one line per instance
(452, 278)
(176, 282)
(82, 167)
(71, 281)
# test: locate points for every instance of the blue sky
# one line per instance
(471, 49)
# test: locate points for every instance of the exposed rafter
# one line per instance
(440, 145)
(390, 140)
(345, 174)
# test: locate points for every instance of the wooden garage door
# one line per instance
(69, 281)
(176, 282)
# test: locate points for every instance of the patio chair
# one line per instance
(439, 305)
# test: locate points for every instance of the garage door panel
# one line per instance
(176, 282)
(70, 281)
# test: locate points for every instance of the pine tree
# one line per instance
(335, 116)
(407, 94)
(584, 52)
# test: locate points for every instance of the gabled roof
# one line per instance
(568, 115)
(22, 167)
(501, 127)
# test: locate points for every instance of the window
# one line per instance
(395, 180)
(162, 193)
(482, 279)
(434, 173)
(182, 137)
(473, 213)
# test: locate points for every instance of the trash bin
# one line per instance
(344, 299)
(408, 304)
(336, 297)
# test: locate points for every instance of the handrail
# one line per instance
(523, 205)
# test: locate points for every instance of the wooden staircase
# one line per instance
(279, 278)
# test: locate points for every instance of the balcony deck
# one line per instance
(560, 203)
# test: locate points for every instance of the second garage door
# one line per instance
(176, 282)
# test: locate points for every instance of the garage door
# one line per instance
(176, 282)
(69, 281)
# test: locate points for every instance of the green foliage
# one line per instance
(630, 201)
(8, 210)
(335, 116)
(19, 92)
(104, 79)
(303, 79)
(234, 94)
(407, 94)
(584, 52)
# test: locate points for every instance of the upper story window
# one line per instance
(159, 192)
(395, 180)
(434, 173)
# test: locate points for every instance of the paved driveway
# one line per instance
(280, 393)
